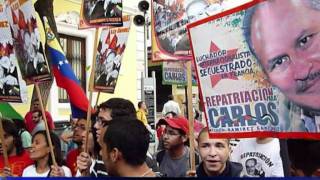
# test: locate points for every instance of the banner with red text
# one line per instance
(240, 100)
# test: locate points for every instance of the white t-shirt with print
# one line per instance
(258, 160)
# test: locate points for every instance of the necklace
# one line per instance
(147, 172)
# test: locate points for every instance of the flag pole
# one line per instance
(46, 124)
(97, 101)
(190, 115)
(91, 89)
(4, 148)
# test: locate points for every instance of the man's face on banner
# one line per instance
(196, 10)
(286, 38)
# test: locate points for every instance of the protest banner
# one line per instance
(9, 81)
(240, 100)
(100, 13)
(27, 45)
(170, 40)
(175, 72)
(112, 43)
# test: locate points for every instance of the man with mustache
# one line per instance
(284, 37)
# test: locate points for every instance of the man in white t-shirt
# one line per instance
(171, 106)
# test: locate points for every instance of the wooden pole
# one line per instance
(4, 148)
(46, 125)
(190, 115)
(97, 101)
(91, 89)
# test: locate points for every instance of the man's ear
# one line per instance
(115, 154)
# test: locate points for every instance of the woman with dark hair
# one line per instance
(43, 163)
(18, 158)
(23, 133)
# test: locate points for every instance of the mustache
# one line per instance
(303, 85)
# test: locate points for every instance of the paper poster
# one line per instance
(258, 80)
(112, 44)
(9, 81)
(175, 72)
(97, 13)
(28, 48)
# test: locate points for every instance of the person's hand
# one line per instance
(7, 171)
(191, 173)
(83, 163)
(57, 171)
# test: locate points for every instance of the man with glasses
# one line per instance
(108, 110)
(174, 159)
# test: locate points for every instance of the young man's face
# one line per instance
(36, 117)
(36, 105)
(286, 38)
(214, 154)
(172, 138)
(108, 158)
(79, 128)
(103, 118)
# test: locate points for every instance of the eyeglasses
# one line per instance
(103, 122)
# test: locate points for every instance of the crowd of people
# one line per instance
(118, 143)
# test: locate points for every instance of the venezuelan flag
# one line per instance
(64, 75)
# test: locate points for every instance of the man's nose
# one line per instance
(301, 69)
(213, 151)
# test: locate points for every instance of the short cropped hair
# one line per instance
(119, 107)
(130, 137)
(206, 130)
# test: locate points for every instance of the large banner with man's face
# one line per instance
(170, 40)
(256, 78)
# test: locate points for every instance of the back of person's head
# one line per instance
(130, 137)
(10, 128)
(304, 155)
(170, 97)
(19, 124)
(140, 104)
(56, 147)
(119, 107)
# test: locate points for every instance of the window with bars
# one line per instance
(74, 49)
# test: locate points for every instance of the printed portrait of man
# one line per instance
(253, 168)
(284, 37)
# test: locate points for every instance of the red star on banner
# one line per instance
(229, 56)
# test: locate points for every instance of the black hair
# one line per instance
(19, 124)
(140, 104)
(10, 128)
(119, 107)
(252, 159)
(56, 147)
(304, 155)
(38, 111)
(130, 137)
(170, 97)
